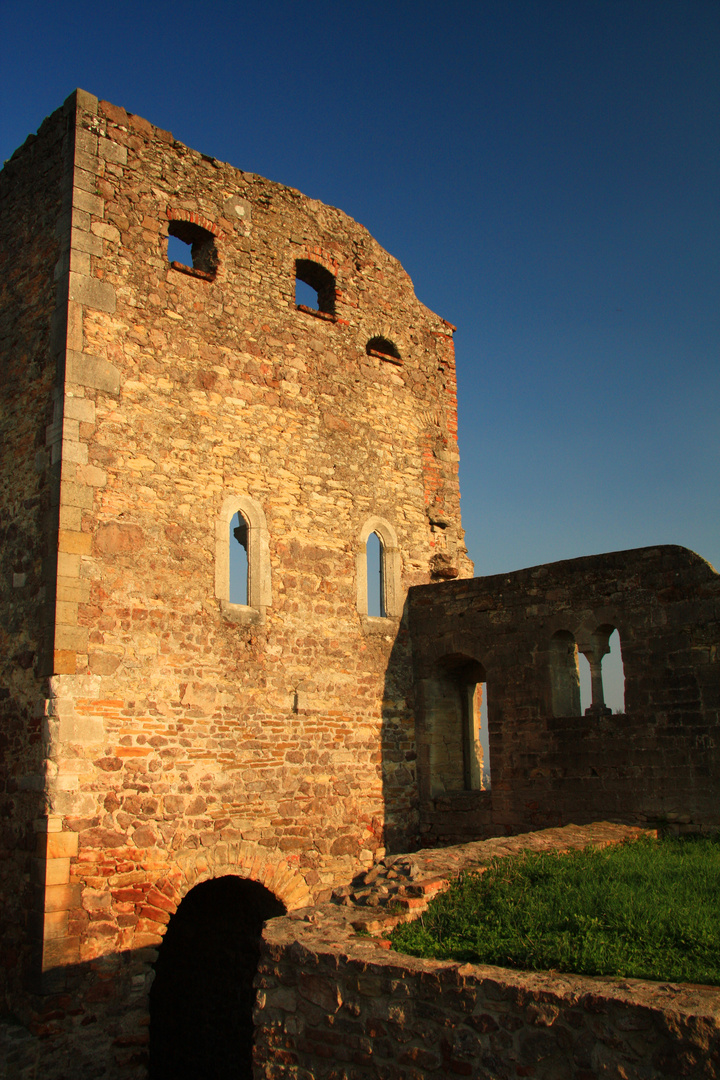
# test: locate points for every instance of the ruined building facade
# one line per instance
(155, 730)
(192, 684)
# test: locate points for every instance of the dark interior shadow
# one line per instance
(202, 998)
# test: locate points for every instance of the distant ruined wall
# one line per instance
(659, 761)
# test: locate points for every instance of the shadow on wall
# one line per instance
(199, 1006)
(397, 743)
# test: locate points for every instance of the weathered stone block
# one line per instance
(91, 292)
(86, 370)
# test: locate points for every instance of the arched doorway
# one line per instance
(202, 997)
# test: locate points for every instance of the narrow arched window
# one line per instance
(242, 560)
(375, 554)
(613, 675)
(238, 542)
(379, 568)
(314, 287)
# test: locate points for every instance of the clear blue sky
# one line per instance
(548, 172)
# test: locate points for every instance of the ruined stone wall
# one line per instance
(186, 735)
(658, 761)
(35, 188)
(335, 1000)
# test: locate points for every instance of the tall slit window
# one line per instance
(238, 560)
(375, 576)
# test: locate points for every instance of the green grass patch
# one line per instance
(648, 909)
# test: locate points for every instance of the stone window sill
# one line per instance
(380, 624)
(385, 356)
(326, 315)
(242, 613)
(191, 271)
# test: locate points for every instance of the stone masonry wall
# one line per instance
(659, 761)
(35, 194)
(335, 1001)
(185, 736)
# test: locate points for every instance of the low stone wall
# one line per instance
(335, 1002)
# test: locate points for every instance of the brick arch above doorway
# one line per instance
(242, 859)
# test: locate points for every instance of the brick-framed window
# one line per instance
(315, 289)
(383, 349)
(195, 251)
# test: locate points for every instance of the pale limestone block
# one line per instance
(79, 261)
(81, 409)
(77, 495)
(80, 219)
(73, 802)
(74, 326)
(92, 293)
(66, 612)
(68, 565)
(85, 102)
(76, 452)
(74, 590)
(88, 370)
(86, 730)
(86, 142)
(67, 782)
(84, 180)
(62, 897)
(78, 542)
(55, 924)
(57, 871)
(60, 845)
(86, 241)
(112, 151)
(89, 203)
(89, 162)
(71, 637)
(70, 518)
(71, 429)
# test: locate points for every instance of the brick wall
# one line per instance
(335, 1000)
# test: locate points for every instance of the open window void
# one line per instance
(383, 349)
(375, 576)
(453, 707)
(202, 998)
(314, 288)
(602, 675)
(192, 249)
(238, 544)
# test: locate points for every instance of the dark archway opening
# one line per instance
(202, 998)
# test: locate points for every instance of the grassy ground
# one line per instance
(649, 909)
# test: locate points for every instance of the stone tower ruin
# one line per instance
(193, 684)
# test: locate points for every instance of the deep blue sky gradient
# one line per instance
(548, 172)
